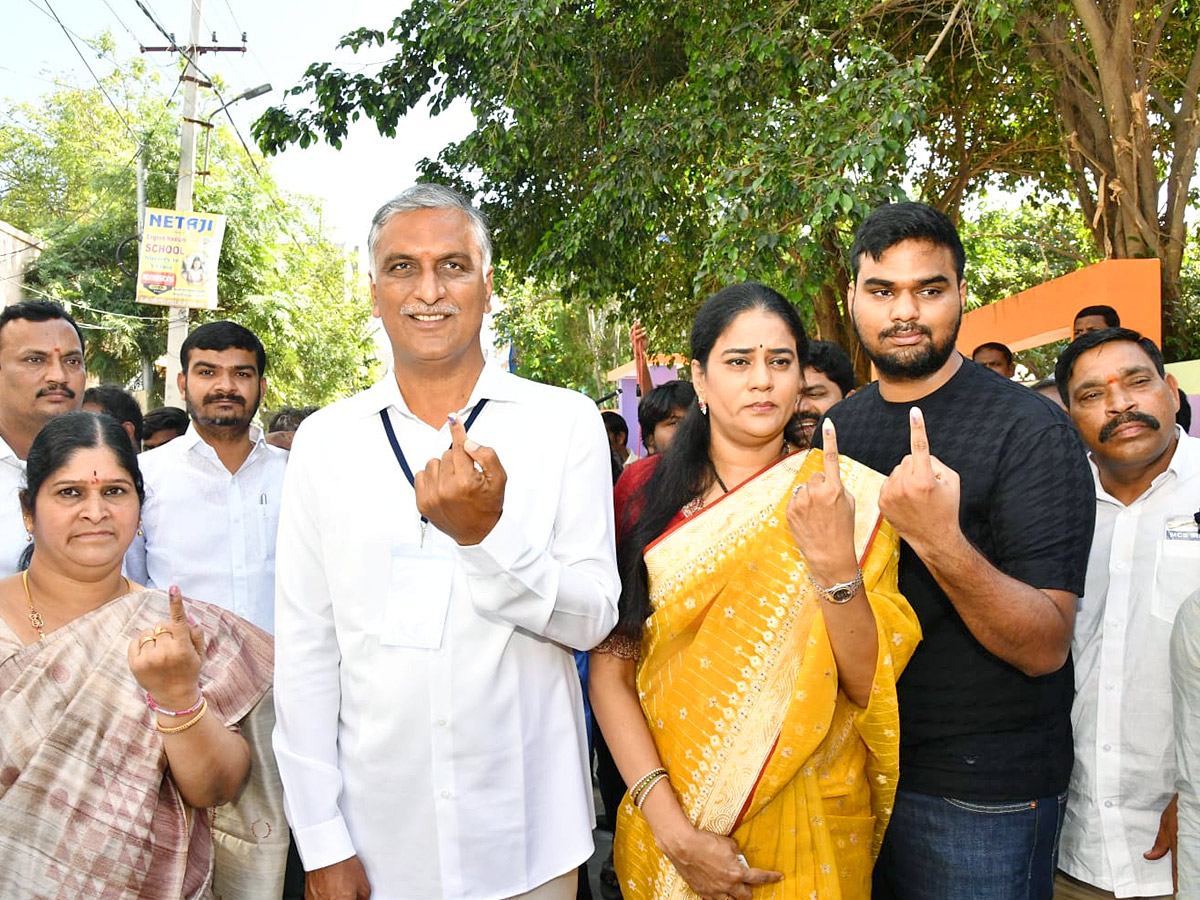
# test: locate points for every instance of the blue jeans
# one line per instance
(939, 848)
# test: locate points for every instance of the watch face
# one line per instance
(843, 594)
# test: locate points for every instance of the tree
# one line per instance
(652, 152)
(67, 175)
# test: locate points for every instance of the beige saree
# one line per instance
(87, 805)
(739, 686)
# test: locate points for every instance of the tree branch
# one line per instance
(945, 30)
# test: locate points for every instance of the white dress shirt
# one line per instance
(1185, 681)
(1145, 562)
(209, 530)
(430, 718)
(13, 536)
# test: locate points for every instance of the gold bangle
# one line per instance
(176, 729)
(650, 785)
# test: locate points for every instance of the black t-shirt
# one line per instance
(971, 725)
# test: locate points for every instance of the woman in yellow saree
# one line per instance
(748, 693)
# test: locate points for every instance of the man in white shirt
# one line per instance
(212, 494)
(42, 375)
(1145, 560)
(430, 727)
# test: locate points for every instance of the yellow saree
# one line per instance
(738, 684)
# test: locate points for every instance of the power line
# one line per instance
(88, 66)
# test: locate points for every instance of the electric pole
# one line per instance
(177, 317)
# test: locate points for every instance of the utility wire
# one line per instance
(87, 65)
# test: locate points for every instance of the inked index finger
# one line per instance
(829, 452)
(918, 438)
(176, 605)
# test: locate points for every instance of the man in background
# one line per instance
(1145, 561)
(828, 379)
(997, 357)
(212, 495)
(162, 425)
(119, 404)
(42, 375)
(1094, 318)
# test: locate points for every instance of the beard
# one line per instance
(235, 423)
(909, 363)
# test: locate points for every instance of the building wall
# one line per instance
(17, 251)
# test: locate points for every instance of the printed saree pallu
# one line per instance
(87, 804)
(738, 684)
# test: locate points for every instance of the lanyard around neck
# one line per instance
(399, 452)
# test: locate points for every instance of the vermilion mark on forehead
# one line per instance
(1112, 379)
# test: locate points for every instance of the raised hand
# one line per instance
(921, 495)
(462, 493)
(166, 658)
(821, 518)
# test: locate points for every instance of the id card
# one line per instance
(1182, 528)
(418, 598)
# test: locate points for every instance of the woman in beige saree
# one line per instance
(115, 702)
(748, 695)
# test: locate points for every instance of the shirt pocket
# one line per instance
(1176, 577)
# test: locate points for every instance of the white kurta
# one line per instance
(1145, 561)
(443, 743)
(209, 530)
(13, 536)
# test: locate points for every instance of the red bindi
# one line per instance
(1112, 379)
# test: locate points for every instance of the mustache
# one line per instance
(218, 398)
(56, 388)
(807, 418)
(422, 309)
(1112, 425)
(911, 328)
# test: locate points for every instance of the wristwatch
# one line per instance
(839, 593)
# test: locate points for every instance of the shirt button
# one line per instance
(1108, 804)
(1110, 685)
(1120, 566)
(1107, 747)
(441, 723)
(446, 796)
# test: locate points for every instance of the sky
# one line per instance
(283, 39)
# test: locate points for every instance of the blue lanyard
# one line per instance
(400, 458)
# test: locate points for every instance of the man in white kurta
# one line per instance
(1119, 833)
(430, 727)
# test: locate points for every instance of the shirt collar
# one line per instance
(191, 439)
(8, 454)
(1185, 461)
(493, 384)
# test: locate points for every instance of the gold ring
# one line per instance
(158, 629)
(148, 639)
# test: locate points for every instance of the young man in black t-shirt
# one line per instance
(991, 493)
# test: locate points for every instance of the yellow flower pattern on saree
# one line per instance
(738, 684)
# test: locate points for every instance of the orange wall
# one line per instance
(1045, 313)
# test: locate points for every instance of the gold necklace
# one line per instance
(35, 617)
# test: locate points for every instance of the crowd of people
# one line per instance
(933, 637)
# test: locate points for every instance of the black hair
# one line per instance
(288, 418)
(1046, 384)
(686, 470)
(38, 311)
(895, 222)
(1183, 418)
(615, 423)
(1092, 339)
(223, 335)
(171, 417)
(115, 401)
(1111, 319)
(59, 440)
(831, 361)
(657, 405)
(997, 346)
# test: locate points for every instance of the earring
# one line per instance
(28, 532)
(139, 531)
(703, 408)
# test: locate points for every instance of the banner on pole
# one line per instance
(177, 264)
